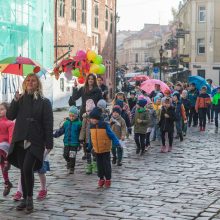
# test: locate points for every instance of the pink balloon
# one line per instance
(81, 54)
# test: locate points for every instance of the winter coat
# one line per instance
(71, 131)
(101, 138)
(180, 113)
(153, 117)
(118, 126)
(6, 130)
(192, 96)
(95, 94)
(132, 102)
(104, 90)
(125, 116)
(144, 116)
(34, 123)
(167, 124)
(84, 133)
(216, 101)
(186, 103)
(203, 101)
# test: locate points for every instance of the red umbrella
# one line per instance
(139, 78)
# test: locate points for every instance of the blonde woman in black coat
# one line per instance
(33, 133)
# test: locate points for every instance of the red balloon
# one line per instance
(36, 69)
(81, 80)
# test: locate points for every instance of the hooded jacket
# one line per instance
(203, 101)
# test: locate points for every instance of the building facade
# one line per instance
(199, 34)
(87, 24)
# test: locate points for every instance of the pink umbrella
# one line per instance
(139, 78)
(149, 85)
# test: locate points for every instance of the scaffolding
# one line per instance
(27, 29)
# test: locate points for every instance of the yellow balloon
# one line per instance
(91, 55)
(94, 68)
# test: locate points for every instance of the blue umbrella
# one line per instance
(199, 82)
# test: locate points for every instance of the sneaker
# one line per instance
(71, 171)
(138, 150)
(169, 148)
(181, 137)
(22, 205)
(114, 159)
(94, 167)
(17, 196)
(89, 169)
(119, 163)
(101, 183)
(184, 134)
(29, 205)
(147, 148)
(42, 194)
(108, 183)
(7, 189)
(163, 149)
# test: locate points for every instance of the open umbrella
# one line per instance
(21, 66)
(149, 85)
(199, 82)
(139, 78)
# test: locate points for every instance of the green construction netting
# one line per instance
(26, 28)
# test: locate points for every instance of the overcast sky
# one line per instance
(134, 13)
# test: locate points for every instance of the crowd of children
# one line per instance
(102, 132)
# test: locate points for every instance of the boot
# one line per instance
(138, 150)
(119, 163)
(114, 159)
(101, 183)
(142, 152)
(94, 167)
(163, 149)
(89, 168)
(22, 205)
(8, 186)
(181, 137)
(29, 205)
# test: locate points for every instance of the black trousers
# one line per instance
(26, 162)
(140, 140)
(69, 154)
(147, 143)
(217, 111)
(170, 137)
(202, 117)
(193, 115)
(104, 165)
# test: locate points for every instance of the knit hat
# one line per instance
(74, 110)
(142, 102)
(102, 103)
(177, 95)
(96, 113)
(117, 109)
(156, 98)
(120, 103)
(90, 105)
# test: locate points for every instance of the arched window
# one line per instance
(96, 23)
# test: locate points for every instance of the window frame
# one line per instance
(111, 22)
(199, 45)
(200, 14)
(62, 8)
(136, 57)
(83, 14)
(96, 16)
(106, 19)
(73, 11)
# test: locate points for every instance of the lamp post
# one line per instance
(161, 55)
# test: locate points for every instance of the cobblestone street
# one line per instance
(183, 184)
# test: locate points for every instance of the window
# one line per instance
(136, 57)
(201, 73)
(106, 19)
(83, 2)
(111, 24)
(145, 57)
(201, 46)
(202, 14)
(73, 11)
(61, 8)
(96, 16)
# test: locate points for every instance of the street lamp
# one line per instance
(161, 56)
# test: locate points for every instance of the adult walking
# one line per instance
(89, 91)
(103, 87)
(33, 133)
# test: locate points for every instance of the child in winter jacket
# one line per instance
(105, 112)
(71, 130)
(216, 107)
(153, 119)
(180, 114)
(166, 125)
(118, 126)
(6, 132)
(101, 136)
(84, 138)
(141, 122)
(186, 104)
(132, 101)
(202, 104)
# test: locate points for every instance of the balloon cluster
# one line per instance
(81, 65)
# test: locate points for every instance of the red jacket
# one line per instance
(203, 101)
(6, 130)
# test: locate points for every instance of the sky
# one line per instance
(134, 13)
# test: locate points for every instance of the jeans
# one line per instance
(117, 152)
(147, 138)
(217, 111)
(179, 126)
(193, 115)
(210, 112)
(104, 165)
(156, 133)
(140, 140)
(170, 137)
(202, 117)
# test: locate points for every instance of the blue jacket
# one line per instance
(101, 124)
(192, 96)
(71, 131)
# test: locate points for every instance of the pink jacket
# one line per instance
(6, 130)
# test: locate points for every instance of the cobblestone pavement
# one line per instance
(183, 184)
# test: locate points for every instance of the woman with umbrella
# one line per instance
(33, 133)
